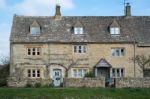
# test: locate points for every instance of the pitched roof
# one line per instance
(78, 24)
(102, 63)
(96, 29)
(35, 24)
(114, 24)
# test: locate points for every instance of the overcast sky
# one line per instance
(69, 8)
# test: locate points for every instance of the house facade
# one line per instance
(50, 48)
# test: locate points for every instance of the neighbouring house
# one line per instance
(49, 48)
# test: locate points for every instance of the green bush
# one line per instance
(51, 85)
(89, 74)
(48, 86)
(29, 85)
(4, 70)
(38, 85)
(3, 82)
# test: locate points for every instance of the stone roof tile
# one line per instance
(96, 29)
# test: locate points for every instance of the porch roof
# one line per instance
(103, 63)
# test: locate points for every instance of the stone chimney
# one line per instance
(58, 12)
(128, 10)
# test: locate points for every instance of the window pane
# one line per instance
(74, 73)
(38, 51)
(122, 72)
(33, 73)
(118, 73)
(33, 49)
(117, 52)
(38, 73)
(113, 52)
(78, 30)
(84, 72)
(29, 73)
(33, 53)
(122, 52)
(112, 31)
(80, 49)
(29, 51)
(113, 72)
(80, 73)
(117, 31)
(35, 30)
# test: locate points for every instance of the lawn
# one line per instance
(73, 93)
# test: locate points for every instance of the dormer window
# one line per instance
(78, 30)
(35, 28)
(115, 30)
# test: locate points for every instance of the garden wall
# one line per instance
(84, 82)
(132, 82)
(13, 82)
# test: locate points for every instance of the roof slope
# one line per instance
(96, 29)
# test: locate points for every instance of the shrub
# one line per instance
(29, 85)
(48, 85)
(3, 82)
(4, 70)
(90, 74)
(37, 85)
(51, 85)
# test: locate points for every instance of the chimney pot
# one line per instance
(128, 10)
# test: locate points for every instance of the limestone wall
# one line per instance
(84, 82)
(132, 82)
(14, 82)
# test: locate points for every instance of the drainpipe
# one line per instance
(134, 59)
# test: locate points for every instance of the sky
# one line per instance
(68, 8)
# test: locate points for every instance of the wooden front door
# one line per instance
(103, 72)
(57, 74)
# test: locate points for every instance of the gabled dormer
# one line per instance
(35, 28)
(78, 28)
(114, 28)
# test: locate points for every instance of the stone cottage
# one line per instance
(47, 49)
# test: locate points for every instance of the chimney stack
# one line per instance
(128, 10)
(58, 12)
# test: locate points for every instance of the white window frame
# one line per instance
(80, 49)
(78, 30)
(37, 75)
(34, 51)
(115, 31)
(80, 72)
(118, 72)
(117, 52)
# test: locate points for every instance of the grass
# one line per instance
(73, 93)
